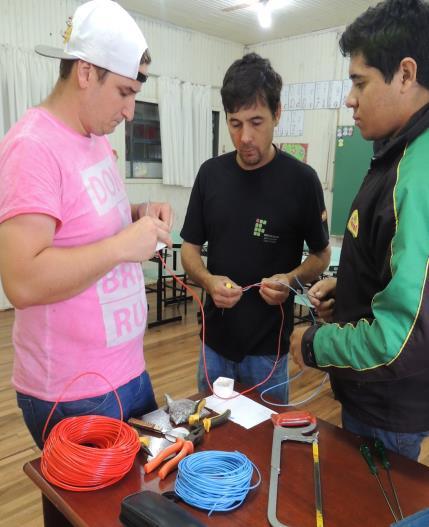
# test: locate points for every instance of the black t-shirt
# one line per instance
(255, 223)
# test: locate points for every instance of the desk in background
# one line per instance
(351, 496)
(160, 319)
(178, 293)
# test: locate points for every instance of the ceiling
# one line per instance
(295, 18)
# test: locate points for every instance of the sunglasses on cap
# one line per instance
(141, 77)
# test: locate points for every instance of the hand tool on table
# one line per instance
(144, 444)
(169, 433)
(293, 426)
(179, 410)
(186, 445)
(367, 455)
(182, 447)
(381, 453)
(208, 422)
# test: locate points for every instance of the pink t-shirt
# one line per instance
(48, 168)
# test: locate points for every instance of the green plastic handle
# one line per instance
(381, 452)
(366, 453)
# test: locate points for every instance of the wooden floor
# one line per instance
(171, 353)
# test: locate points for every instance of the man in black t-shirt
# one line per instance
(255, 207)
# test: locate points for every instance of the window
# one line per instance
(143, 143)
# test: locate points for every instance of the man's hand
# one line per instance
(138, 240)
(295, 345)
(158, 210)
(224, 292)
(322, 297)
(275, 290)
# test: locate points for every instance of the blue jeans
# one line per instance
(250, 371)
(406, 444)
(136, 397)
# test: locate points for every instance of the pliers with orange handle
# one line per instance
(183, 447)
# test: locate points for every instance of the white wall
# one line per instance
(309, 58)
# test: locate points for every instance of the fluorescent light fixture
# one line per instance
(264, 15)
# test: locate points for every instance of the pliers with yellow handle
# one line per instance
(144, 444)
(207, 422)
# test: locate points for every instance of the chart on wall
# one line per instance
(352, 158)
(298, 150)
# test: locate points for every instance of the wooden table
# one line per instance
(351, 496)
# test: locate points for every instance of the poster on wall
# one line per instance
(347, 86)
(284, 97)
(298, 150)
(321, 95)
(308, 93)
(291, 124)
(335, 93)
(343, 131)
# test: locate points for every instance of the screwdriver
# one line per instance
(366, 453)
(381, 452)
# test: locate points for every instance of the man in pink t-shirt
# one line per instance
(71, 244)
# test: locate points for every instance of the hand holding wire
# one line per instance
(275, 290)
(224, 292)
(263, 381)
(159, 210)
(322, 296)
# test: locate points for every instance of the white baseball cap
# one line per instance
(102, 33)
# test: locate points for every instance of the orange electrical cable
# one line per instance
(88, 452)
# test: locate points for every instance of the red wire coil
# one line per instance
(89, 452)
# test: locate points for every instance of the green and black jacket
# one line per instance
(377, 351)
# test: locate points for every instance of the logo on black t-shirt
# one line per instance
(259, 228)
(259, 231)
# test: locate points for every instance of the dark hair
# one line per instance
(65, 68)
(67, 65)
(389, 32)
(146, 58)
(249, 80)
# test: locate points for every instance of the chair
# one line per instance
(164, 284)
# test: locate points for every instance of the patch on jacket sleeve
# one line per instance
(353, 224)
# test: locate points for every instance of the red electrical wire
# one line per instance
(88, 452)
(203, 333)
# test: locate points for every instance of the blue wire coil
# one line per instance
(215, 480)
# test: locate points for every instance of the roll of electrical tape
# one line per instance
(223, 387)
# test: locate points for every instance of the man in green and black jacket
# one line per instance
(377, 348)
